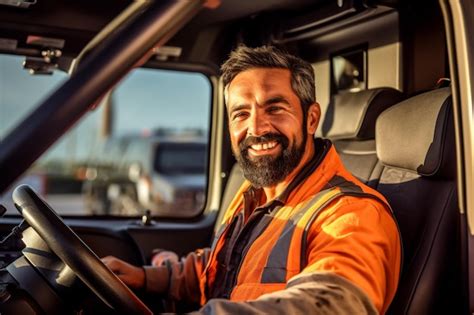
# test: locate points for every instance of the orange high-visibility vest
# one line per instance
(279, 253)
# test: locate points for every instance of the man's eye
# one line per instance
(273, 109)
(239, 115)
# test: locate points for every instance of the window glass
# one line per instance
(180, 158)
(20, 91)
(105, 165)
(348, 71)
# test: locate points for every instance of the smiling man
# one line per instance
(269, 129)
(302, 235)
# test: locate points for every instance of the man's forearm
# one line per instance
(317, 293)
(156, 279)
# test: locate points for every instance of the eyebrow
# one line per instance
(270, 101)
(276, 99)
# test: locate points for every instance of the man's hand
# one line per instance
(131, 275)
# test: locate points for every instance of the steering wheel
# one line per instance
(75, 253)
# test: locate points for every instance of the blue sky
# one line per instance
(146, 99)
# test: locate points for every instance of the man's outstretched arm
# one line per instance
(178, 280)
(316, 293)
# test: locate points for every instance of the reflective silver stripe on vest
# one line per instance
(347, 188)
(276, 267)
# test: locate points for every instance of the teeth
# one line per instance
(264, 146)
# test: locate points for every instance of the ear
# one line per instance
(312, 122)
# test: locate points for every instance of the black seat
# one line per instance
(350, 124)
(415, 143)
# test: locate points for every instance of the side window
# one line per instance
(144, 148)
(349, 70)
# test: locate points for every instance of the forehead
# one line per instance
(260, 80)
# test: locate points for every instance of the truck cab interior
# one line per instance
(394, 80)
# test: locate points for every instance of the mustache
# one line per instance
(251, 140)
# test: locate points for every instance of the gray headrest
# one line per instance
(353, 115)
(418, 134)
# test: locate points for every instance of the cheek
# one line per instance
(237, 132)
(291, 127)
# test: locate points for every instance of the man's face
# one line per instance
(266, 124)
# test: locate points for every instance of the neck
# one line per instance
(272, 192)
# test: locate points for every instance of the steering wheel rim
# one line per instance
(75, 253)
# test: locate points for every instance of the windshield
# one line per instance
(180, 158)
(87, 171)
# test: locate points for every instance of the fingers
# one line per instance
(114, 264)
(131, 275)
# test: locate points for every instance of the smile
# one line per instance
(263, 148)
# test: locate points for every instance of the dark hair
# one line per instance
(302, 73)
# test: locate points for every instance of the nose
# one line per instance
(258, 124)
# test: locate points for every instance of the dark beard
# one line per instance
(266, 171)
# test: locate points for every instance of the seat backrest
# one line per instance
(415, 143)
(236, 179)
(350, 124)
